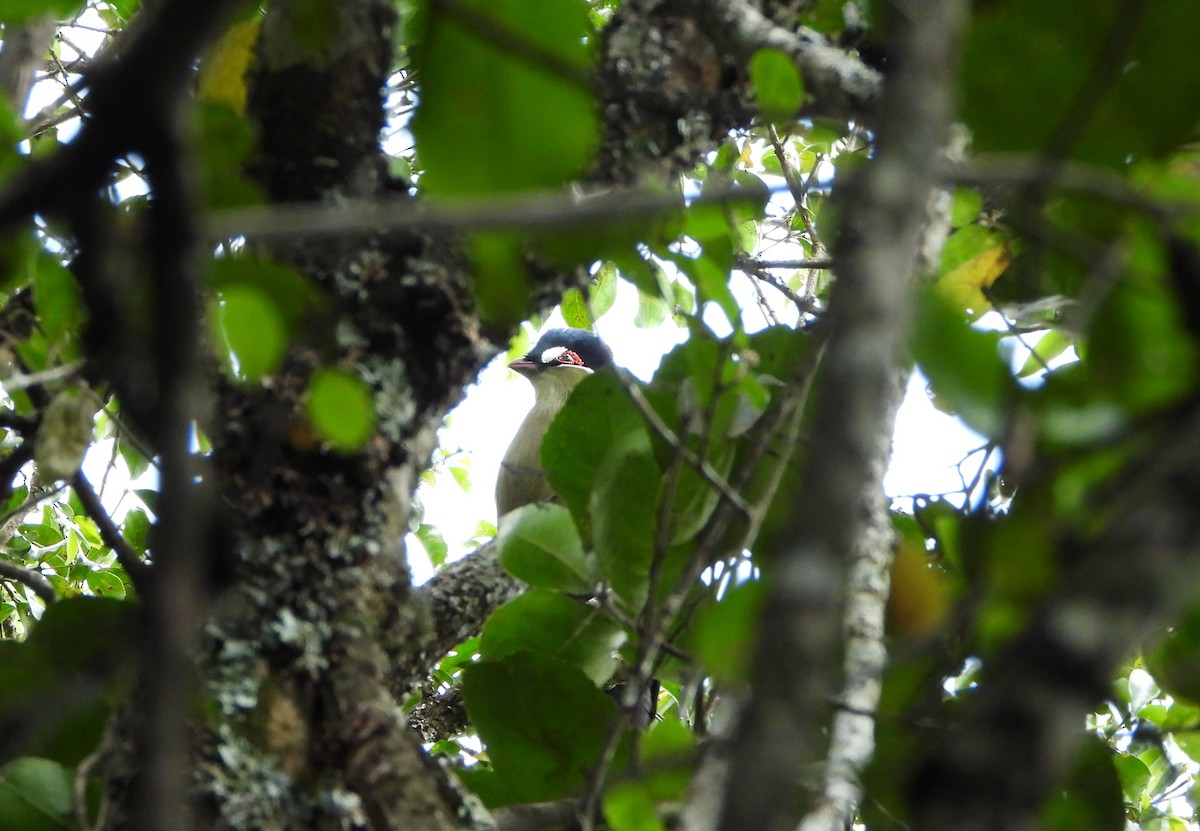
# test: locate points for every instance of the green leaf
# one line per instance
(1137, 349)
(575, 310)
(224, 143)
(539, 545)
(1174, 660)
(36, 795)
(1019, 51)
(553, 624)
(543, 721)
(603, 292)
(297, 301)
(134, 460)
(502, 283)
(1048, 347)
(1092, 796)
(972, 260)
(778, 87)
(629, 806)
(341, 408)
(652, 311)
(624, 509)
(23, 11)
(965, 205)
(725, 633)
(135, 529)
(56, 298)
(106, 583)
(1134, 776)
(505, 105)
(78, 647)
(253, 331)
(433, 542)
(578, 440)
(45, 535)
(963, 366)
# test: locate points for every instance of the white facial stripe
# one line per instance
(552, 354)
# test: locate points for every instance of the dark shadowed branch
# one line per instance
(840, 491)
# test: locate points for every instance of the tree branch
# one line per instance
(536, 211)
(884, 209)
(839, 84)
(126, 556)
(42, 587)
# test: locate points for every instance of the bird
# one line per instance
(559, 360)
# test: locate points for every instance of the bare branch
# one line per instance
(839, 83)
(40, 585)
(126, 556)
(547, 210)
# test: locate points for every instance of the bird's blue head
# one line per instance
(564, 347)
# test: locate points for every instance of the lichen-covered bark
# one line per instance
(322, 608)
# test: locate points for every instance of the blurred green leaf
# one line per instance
(778, 87)
(973, 258)
(296, 299)
(79, 645)
(434, 543)
(36, 795)
(725, 633)
(224, 144)
(503, 104)
(628, 806)
(253, 331)
(23, 11)
(963, 366)
(1105, 115)
(56, 299)
(341, 408)
(965, 205)
(1092, 796)
(1174, 659)
(1050, 346)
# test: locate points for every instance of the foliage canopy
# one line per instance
(252, 256)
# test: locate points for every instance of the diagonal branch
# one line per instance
(40, 585)
(126, 556)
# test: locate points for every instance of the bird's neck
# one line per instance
(554, 387)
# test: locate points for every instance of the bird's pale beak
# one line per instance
(523, 366)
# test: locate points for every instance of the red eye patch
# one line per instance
(569, 358)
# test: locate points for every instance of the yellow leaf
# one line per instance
(223, 70)
(963, 285)
(921, 594)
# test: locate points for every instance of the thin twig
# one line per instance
(22, 381)
(806, 262)
(701, 466)
(126, 556)
(42, 587)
